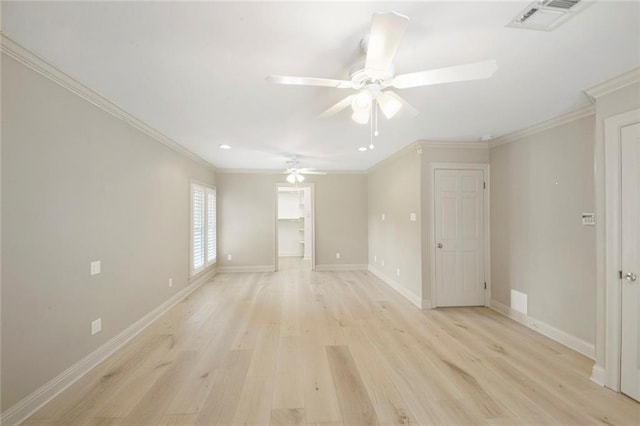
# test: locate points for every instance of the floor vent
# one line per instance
(546, 15)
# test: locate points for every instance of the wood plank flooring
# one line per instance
(327, 348)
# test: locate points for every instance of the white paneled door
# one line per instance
(630, 208)
(459, 237)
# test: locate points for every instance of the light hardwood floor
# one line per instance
(302, 347)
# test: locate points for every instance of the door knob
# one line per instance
(630, 276)
(440, 246)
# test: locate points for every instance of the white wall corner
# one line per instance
(569, 340)
(409, 295)
(616, 83)
(41, 396)
(426, 304)
(598, 374)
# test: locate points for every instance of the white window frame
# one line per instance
(207, 260)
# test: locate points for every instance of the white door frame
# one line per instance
(312, 188)
(613, 256)
(487, 223)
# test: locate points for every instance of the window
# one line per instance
(203, 227)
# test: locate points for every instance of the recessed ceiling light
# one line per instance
(225, 146)
(362, 148)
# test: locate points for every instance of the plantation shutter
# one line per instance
(211, 225)
(197, 209)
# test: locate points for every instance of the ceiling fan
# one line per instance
(296, 174)
(373, 82)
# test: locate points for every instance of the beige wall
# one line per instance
(394, 190)
(247, 206)
(79, 185)
(608, 105)
(540, 186)
(438, 155)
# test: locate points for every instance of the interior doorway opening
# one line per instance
(294, 227)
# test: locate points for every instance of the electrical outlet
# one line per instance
(95, 267)
(96, 326)
(375, 259)
(398, 272)
(228, 257)
(382, 262)
(337, 255)
(170, 282)
(383, 217)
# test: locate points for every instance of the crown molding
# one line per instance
(281, 172)
(15, 50)
(455, 145)
(545, 125)
(393, 157)
(614, 84)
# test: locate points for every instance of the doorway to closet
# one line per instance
(294, 227)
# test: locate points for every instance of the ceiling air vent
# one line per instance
(546, 15)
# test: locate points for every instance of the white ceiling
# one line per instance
(195, 71)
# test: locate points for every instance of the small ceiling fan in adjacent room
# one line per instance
(373, 82)
(295, 174)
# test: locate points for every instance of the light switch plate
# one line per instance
(96, 326)
(412, 217)
(95, 267)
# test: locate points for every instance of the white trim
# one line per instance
(612, 134)
(569, 340)
(30, 404)
(614, 84)
(545, 125)
(412, 146)
(409, 295)
(485, 167)
(598, 374)
(454, 144)
(426, 304)
(255, 268)
(342, 267)
(40, 65)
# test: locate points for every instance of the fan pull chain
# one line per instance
(374, 117)
(373, 108)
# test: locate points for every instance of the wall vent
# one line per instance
(546, 15)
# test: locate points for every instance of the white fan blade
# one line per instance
(387, 30)
(406, 106)
(337, 107)
(475, 71)
(311, 172)
(310, 81)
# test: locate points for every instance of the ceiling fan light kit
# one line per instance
(374, 80)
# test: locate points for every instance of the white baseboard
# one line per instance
(342, 267)
(257, 268)
(289, 254)
(598, 374)
(577, 344)
(30, 404)
(409, 295)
